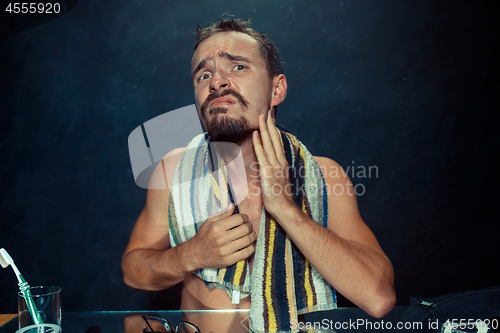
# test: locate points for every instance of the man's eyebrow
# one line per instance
(233, 57)
(200, 66)
(221, 55)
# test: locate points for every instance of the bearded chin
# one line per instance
(226, 129)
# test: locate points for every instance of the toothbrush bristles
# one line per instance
(3, 263)
(3, 260)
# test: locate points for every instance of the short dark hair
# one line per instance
(269, 51)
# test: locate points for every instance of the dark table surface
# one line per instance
(338, 320)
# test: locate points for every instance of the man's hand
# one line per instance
(273, 166)
(223, 240)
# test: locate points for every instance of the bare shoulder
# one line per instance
(343, 213)
(164, 171)
(332, 171)
(338, 185)
(326, 162)
(161, 182)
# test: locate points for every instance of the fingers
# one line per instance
(259, 150)
(241, 254)
(242, 248)
(276, 139)
(225, 239)
(230, 223)
(242, 230)
(238, 244)
(268, 143)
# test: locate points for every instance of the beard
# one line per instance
(223, 128)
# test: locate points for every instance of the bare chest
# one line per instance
(252, 207)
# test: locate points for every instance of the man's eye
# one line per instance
(239, 67)
(204, 76)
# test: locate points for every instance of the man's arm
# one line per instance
(150, 263)
(346, 254)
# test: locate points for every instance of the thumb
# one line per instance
(225, 213)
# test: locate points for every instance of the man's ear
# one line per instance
(279, 90)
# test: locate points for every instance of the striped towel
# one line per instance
(282, 284)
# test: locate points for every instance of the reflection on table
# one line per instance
(218, 321)
(215, 321)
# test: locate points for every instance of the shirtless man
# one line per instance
(346, 253)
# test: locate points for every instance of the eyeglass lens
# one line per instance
(161, 325)
(185, 327)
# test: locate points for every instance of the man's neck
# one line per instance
(250, 180)
(249, 157)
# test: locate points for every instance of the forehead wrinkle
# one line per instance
(222, 55)
(232, 57)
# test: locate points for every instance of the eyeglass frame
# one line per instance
(160, 318)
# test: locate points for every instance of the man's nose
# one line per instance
(219, 82)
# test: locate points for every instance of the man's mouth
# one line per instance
(224, 98)
(222, 101)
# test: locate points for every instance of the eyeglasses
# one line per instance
(163, 326)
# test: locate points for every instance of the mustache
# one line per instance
(223, 93)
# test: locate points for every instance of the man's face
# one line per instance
(231, 85)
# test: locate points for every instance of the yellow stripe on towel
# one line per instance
(272, 316)
(307, 284)
(215, 187)
(290, 288)
(238, 271)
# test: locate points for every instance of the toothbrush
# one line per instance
(6, 260)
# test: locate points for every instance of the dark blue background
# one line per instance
(410, 87)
